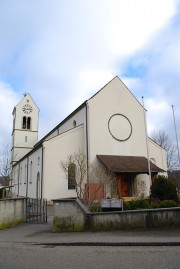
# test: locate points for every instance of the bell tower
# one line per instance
(25, 127)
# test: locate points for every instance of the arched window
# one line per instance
(20, 177)
(153, 160)
(38, 187)
(30, 177)
(26, 123)
(71, 176)
(74, 124)
(25, 175)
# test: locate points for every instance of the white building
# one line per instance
(109, 129)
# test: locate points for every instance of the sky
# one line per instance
(63, 51)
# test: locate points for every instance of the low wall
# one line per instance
(69, 215)
(12, 211)
(72, 215)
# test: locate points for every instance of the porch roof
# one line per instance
(128, 164)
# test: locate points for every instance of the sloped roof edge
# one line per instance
(127, 164)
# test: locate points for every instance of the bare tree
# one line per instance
(75, 168)
(141, 189)
(5, 170)
(162, 139)
(88, 184)
(5, 164)
(99, 176)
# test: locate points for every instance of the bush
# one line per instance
(163, 189)
(137, 204)
(127, 205)
(95, 208)
(167, 203)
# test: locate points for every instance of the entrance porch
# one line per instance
(131, 173)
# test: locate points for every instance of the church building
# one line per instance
(109, 129)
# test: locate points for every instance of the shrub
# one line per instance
(137, 204)
(95, 208)
(167, 203)
(163, 189)
(155, 202)
(127, 206)
(140, 204)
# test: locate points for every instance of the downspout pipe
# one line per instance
(18, 179)
(87, 150)
(27, 181)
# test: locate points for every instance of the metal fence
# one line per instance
(36, 210)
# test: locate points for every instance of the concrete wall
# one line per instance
(71, 215)
(12, 211)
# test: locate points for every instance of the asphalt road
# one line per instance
(28, 256)
(34, 246)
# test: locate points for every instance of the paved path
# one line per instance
(42, 234)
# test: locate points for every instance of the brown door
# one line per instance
(123, 185)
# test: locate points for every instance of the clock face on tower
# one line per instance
(27, 109)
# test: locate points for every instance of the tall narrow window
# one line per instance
(25, 176)
(20, 178)
(26, 138)
(30, 177)
(24, 123)
(28, 123)
(71, 176)
(38, 187)
(74, 123)
(18, 174)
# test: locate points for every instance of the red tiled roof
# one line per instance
(130, 164)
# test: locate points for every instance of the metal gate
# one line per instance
(36, 210)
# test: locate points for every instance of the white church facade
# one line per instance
(109, 129)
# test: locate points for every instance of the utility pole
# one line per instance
(147, 147)
(176, 134)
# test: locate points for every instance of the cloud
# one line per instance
(156, 69)
(7, 100)
(63, 52)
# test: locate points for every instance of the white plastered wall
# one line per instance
(23, 140)
(25, 174)
(158, 155)
(79, 117)
(115, 98)
(142, 183)
(58, 149)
